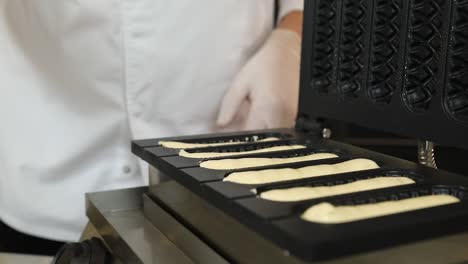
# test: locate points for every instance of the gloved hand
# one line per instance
(268, 85)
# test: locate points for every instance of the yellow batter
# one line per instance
(205, 155)
(231, 164)
(185, 145)
(305, 193)
(276, 175)
(326, 213)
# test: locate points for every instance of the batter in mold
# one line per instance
(206, 155)
(185, 145)
(231, 164)
(305, 193)
(284, 174)
(326, 213)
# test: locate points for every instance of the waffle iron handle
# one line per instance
(426, 153)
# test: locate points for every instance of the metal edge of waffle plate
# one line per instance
(240, 245)
(236, 242)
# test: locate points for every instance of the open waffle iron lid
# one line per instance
(392, 65)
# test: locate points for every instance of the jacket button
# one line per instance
(127, 169)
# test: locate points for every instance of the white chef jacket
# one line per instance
(79, 79)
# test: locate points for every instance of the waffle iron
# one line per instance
(391, 65)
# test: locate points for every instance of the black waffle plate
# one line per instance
(279, 222)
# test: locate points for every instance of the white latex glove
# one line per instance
(268, 85)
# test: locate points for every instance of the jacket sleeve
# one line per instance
(286, 6)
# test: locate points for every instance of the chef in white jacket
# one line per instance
(79, 79)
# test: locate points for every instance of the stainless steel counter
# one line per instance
(6, 258)
(117, 218)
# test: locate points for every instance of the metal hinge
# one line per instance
(426, 154)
